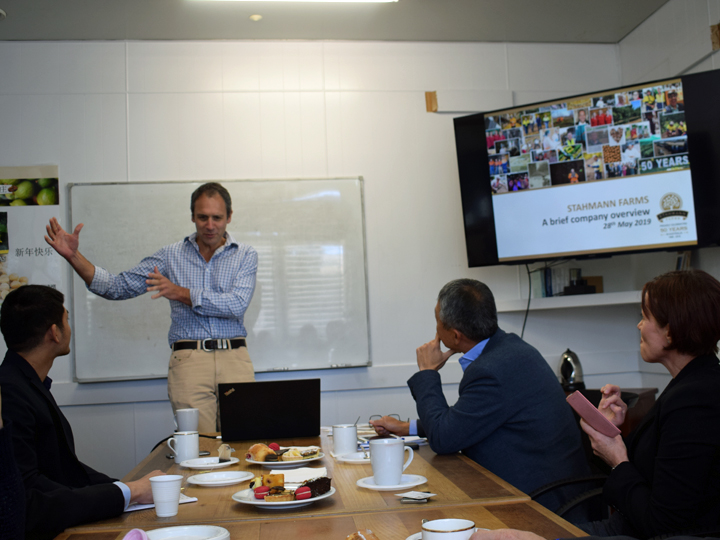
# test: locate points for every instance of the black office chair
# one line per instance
(586, 503)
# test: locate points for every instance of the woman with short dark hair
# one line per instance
(666, 477)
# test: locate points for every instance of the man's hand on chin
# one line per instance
(430, 356)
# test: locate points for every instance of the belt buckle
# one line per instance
(205, 348)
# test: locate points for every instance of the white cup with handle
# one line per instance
(447, 529)
(187, 419)
(386, 458)
(185, 445)
(344, 439)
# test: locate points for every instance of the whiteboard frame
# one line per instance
(75, 281)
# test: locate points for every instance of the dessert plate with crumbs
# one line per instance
(247, 496)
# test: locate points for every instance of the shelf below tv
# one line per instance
(575, 301)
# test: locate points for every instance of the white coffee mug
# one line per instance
(187, 419)
(448, 529)
(185, 445)
(386, 458)
(344, 439)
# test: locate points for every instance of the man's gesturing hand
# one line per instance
(65, 244)
(166, 288)
(430, 356)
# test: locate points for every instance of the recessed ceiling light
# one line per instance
(255, 18)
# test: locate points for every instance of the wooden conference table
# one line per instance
(462, 487)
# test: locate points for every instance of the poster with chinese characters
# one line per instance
(29, 197)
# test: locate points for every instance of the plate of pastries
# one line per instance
(270, 491)
(282, 457)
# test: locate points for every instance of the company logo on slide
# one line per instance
(671, 203)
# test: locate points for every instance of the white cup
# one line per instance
(448, 529)
(344, 439)
(166, 494)
(186, 445)
(386, 458)
(187, 419)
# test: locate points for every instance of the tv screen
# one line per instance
(624, 170)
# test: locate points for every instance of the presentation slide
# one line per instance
(597, 173)
(653, 210)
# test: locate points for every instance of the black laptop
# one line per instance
(269, 410)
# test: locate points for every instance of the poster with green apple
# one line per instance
(29, 199)
(29, 191)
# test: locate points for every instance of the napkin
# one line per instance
(137, 506)
(298, 476)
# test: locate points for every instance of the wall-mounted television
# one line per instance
(624, 170)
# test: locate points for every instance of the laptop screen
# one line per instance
(269, 409)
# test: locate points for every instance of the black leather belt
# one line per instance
(209, 344)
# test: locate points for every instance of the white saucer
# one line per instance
(207, 463)
(189, 532)
(406, 481)
(285, 464)
(247, 496)
(354, 457)
(223, 478)
(418, 536)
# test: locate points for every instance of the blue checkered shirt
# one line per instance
(220, 290)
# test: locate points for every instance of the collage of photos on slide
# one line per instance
(600, 137)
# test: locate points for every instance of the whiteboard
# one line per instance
(309, 310)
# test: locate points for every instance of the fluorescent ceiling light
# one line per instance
(335, 1)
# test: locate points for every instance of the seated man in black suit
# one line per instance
(60, 491)
(511, 416)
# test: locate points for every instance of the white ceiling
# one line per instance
(579, 21)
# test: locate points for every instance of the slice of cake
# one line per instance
(318, 486)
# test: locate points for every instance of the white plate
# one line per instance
(285, 464)
(225, 478)
(247, 496)
(354, 457)
(207, 463)
(189, 532)
(406, 481)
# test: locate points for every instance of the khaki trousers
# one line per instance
(194, 375)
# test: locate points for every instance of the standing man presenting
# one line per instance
(209, 279)
(511, 416)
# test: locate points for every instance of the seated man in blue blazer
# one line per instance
(511, 416)
(60, 491)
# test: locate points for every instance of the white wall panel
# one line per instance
(176, 136)
(175, 66)
(273, 135)
(673, 39)
(571, 68)
(91, 68)
(11, 117)
(313, 134)
(292, 130)
(241, 126)
(40, 129)
(104, 436)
